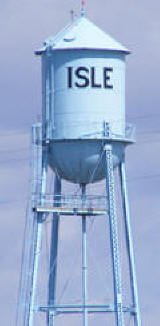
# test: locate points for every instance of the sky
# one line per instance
(23, 27)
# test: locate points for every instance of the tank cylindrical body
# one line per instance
(88, 88)
(83, 91)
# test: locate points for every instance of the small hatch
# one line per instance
(69, 38)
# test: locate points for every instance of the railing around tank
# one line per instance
(129, 132)
(104, 131)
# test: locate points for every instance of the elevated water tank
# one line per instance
(83, 82)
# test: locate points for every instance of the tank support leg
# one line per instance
(129, 242)
(84, 261)
(38, 237)
(53, 255)
(114, 235)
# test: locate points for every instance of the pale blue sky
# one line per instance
(24, 25)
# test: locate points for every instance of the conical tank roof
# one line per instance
(82, 34)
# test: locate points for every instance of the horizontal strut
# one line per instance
(71, 210)
(99, 309)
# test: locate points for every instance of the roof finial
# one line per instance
(72, 14)
(83, 12)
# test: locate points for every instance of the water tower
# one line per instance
(82, 138)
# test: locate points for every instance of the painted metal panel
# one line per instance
(81, 111)
(80, 161)
(82, 33)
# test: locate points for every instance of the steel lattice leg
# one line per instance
(129, 241)
(84, 261)
(53, 255)
(37, 250)
(114, 235)
(37, 239)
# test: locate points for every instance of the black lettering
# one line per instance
(93, 79)
(70, 69)
(107, 77)
(79, 74)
